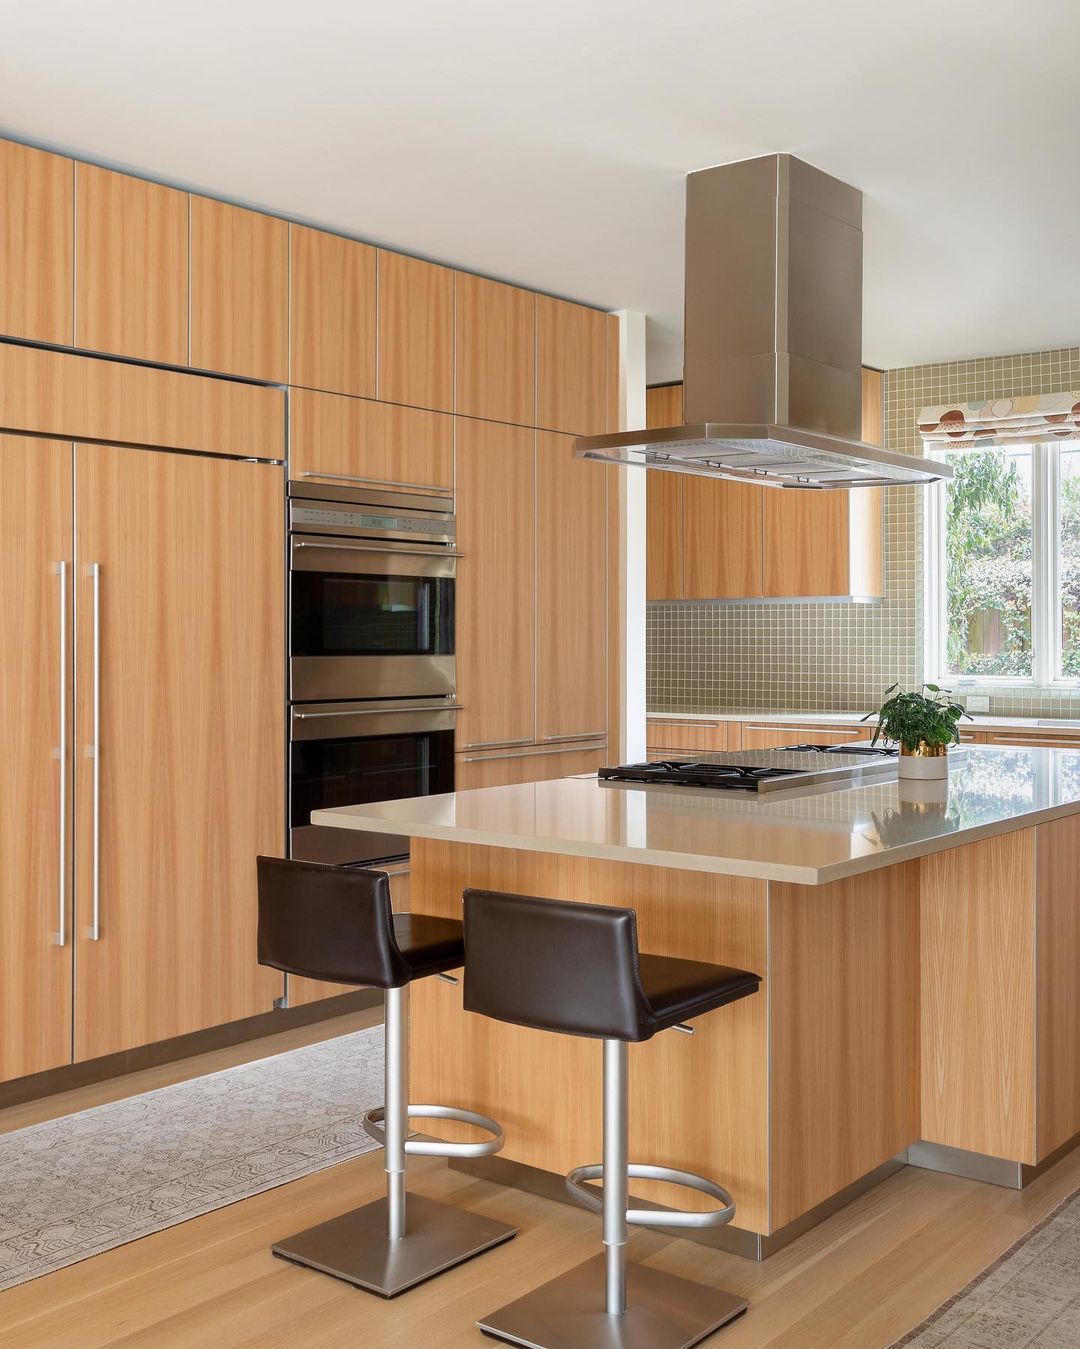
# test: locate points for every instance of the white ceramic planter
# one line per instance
(923, 767)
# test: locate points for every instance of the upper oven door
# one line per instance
(370, 620)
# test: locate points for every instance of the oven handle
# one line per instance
(378, 712)
(434, 551)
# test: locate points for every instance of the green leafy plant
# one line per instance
(911, 717)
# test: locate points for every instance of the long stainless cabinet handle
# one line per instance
(498, 744)
(94, 571)
(436, 550)
(490, 758)
(379, 482)
(378, 712)
(578, 735)
(703, 725)
(61, 931)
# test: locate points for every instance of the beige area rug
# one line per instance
(74, 1187)
(1027, 1299)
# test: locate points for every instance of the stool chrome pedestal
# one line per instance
(607, 1302)
(393, 1243)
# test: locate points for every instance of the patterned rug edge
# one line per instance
(983, 1275)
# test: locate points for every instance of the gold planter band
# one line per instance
(924, 751)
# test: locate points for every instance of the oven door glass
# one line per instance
(355, 770)
(343, 614)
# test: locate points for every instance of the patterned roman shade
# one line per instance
(999, 421)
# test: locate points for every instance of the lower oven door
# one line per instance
(353, 753)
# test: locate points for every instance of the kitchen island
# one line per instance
(920, 960)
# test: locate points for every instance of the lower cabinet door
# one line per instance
(180, 740)
(508, 769)
(35, 968)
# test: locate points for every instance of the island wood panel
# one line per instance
(1057, 974)
(496, 589)
(697, 1102)
(978, 996)
(37, 204)
(665, 501)
(571, 367)
(192, 737)
(35, 972)
(494, 350)
(415, 332)
(302, 991)
(360, 442)
(332, 290)
(722, 539)
(508, 769)
(571, 593)
(239, 291)
(131, 272)
(844, 1032)
(69, 396)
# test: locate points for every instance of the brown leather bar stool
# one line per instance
(335, 923)
(576, 969)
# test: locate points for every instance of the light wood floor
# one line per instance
(855, 1282)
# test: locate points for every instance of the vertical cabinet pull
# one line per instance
(94, 751)
(61, 931)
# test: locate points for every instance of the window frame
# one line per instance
(1045, 579)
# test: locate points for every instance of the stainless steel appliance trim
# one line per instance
(61, 931)
(345, 679)
(578, 735)
(94, 933)
(328, 496)
(568, 749)
(380, 482)
(377, 711)
(370, 721)
(436, 550)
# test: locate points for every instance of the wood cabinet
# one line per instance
(415, 332)
(355, 440)
(765, 735)
(35, 688)
(671, 733)
(510, 768)
(239, 291)
(190, 763)
(571, 595)
(711, 539)
(496, 590)
(331, 312)
(37, 204)
(571, 367)
(131, 251)
(494, 350)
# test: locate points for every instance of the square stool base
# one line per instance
(663, 1312)
(355, 1246)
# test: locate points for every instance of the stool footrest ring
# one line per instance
(374, 1127)
(592, 1198)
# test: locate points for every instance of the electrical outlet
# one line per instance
(977, 703)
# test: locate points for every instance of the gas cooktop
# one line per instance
(762, 770)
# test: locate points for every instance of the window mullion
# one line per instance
(1044, 565)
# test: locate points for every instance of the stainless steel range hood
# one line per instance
(773, 338)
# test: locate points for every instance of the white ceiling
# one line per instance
(546, 144)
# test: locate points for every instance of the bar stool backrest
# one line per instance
(326, 922)
(554, 965)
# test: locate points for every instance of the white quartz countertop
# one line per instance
(809, 836)
(978, 721)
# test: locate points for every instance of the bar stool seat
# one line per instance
(336, 923)
(577, 969)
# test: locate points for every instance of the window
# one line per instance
(1003, 566)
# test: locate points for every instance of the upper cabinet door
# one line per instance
(239, 291)
(571, 600)
(722, 539)
(331, 312)
(665, 529)
(416, 332)
(496, 593)
(37, 202)
(35, 970)
(495, 350)
(571, 367)
(131, 249)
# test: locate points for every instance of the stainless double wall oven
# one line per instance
(371, 659)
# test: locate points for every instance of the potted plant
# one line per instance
(924, 725)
